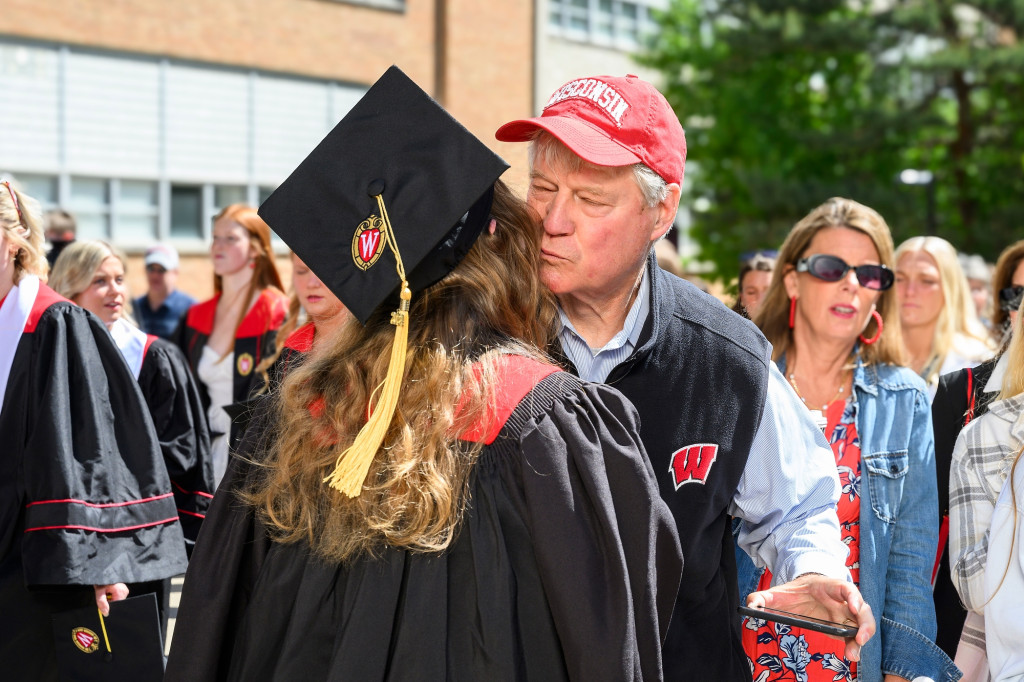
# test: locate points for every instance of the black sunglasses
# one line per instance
(833, 268)
(1010, 298)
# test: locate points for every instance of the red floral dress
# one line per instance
(782, 652)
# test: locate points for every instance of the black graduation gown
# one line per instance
(84, 496)
(566, 567)
(293, 351)
(172, 394)
(296, 347)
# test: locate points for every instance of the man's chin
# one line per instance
(555, 284)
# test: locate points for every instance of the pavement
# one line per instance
(172, 611)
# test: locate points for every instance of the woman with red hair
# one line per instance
(225, 337)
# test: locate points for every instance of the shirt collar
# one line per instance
(631, 328)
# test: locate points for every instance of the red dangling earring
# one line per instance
(792, 311)
(878, 334)
(252, 265)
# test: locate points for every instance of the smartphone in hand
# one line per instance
(829, 627)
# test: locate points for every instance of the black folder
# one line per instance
(126, 645)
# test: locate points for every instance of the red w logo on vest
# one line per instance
(692, 463)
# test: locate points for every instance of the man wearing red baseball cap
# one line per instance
(724, 433)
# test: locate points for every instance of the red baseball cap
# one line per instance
(610, 121)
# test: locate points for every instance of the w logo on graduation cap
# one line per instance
(85, 639)
(368, 242)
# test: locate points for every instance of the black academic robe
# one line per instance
(172, 394)
(565, 567)
(84, 495)
(294, 350)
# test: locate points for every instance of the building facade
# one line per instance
(145, 118)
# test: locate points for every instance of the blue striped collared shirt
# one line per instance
(596, 364)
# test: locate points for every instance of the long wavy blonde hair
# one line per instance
(773, 316)
(416, 490)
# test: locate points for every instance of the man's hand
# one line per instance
(826, 598)
(108, 593)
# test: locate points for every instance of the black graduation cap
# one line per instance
(388, 203)
(434, 180)
(126, 645)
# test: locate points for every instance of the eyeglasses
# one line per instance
(833, 268)
(155, 269)
(1010, 298)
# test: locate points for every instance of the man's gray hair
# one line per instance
(546, 146)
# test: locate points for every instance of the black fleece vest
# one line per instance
(698, 379)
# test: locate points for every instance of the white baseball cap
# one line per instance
(163, 255)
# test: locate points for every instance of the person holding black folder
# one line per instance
(85, 502)
(431, 498)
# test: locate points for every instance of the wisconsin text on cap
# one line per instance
(598, 92)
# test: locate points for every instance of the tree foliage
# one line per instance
(787, 103)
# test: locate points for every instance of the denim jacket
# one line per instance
(898, 525)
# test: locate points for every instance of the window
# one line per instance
(225, 195)
(616, 23)
(186, 212)
(90, 204)
(136, 212)
(185, 139)
(42, 188)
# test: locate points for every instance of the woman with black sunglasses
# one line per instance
(1008, 285)
(832, 319)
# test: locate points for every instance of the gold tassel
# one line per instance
(352, 465)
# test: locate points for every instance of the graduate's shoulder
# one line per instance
(165, 352)
(51, 312)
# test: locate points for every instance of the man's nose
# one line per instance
(558, 217)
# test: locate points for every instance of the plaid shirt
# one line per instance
(982, 457)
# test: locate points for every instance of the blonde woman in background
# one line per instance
(941, 330)
(92, 274)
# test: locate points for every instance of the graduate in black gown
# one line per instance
(85, 502)
(484, 515)
(91, 273)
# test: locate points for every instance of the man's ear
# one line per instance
(666, 212)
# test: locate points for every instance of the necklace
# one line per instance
(824, 408)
